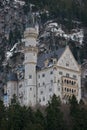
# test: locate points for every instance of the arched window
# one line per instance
(67, 90)
(72, 82)
(72, 90)
(67, 81)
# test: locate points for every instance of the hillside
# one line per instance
(60, 23)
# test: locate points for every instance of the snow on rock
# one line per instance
(20, 2)
(10, 53)
(53, 24)
(75, 35)
(44, 35)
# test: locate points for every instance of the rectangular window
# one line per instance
(58, 81)
(38, 76)
(54, 62)
(39, 100)
(74, 76)
(20, 85)
(43, 83)
(85, 76)
(38, 84)
(60, 73)
(43, 75)
(67, 75)
(30, 88)
(51, 72)
(30, 76)
(41, 92)
(67, 64)
(50, 89)
(58, 89)
(43, 98)
(51, 82)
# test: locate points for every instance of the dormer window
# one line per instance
(46, 62)
(54, 62)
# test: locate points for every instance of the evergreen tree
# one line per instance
(54, 116)
(2, 112)
(40, 119)
(78, 115)
(74, 107)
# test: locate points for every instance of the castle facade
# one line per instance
(44, 75)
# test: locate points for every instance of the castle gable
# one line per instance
(68, 61)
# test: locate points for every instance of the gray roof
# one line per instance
(42, 57)
(12, 77)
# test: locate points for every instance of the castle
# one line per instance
(44, 75)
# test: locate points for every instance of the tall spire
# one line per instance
(66, 42)
(30, 18)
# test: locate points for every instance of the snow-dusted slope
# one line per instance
(75, 35)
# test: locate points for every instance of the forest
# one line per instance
(61, 9)
(54, 116)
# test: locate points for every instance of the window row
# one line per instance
(50, 90)
(70, 82)
(43, 84)
(60, 73)
(42, 99)
(69, 90)
(43, 75)
(67, 74)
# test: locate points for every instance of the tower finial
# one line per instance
(66, 42)
(30, 17)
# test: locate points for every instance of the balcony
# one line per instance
(69, 87)
(69, 82)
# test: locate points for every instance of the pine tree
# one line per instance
(2, 112)
(54, 115)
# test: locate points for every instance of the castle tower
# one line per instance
(30, 51)
(12, 87)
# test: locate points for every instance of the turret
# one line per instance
(30, 52)
(12, 87)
